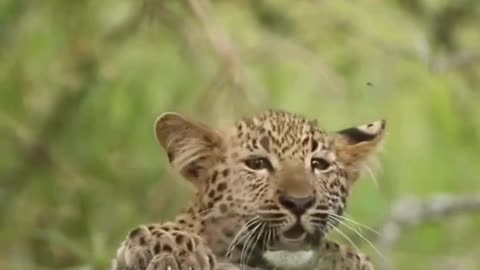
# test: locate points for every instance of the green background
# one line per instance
(82, 83)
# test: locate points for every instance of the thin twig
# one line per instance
(223, 46)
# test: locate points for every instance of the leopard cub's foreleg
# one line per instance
(333, 256)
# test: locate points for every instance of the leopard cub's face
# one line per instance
(277, 179)
(289, 176)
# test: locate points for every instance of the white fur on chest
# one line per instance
(290, 259)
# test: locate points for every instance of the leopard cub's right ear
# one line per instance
(189, 145)
(356, 144)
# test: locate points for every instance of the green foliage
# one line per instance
(82, 82)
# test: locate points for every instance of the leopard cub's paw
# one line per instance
(163, 247)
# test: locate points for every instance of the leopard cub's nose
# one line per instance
(297, 205)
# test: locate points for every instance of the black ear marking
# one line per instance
(363, 133)
(356, 135)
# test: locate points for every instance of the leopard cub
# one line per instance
(268, 190)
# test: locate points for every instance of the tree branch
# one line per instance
(408, 213)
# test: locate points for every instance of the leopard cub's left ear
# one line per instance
(354, 145)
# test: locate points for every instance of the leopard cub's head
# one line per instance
(276, 176)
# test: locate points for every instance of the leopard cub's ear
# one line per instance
(191, 146)
(354, 145)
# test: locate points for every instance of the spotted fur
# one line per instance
(270, 187)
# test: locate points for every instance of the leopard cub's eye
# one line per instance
(319, 164)
(258, 164)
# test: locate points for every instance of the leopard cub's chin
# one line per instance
(286, 259)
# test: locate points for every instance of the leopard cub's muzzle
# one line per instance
(291, 208)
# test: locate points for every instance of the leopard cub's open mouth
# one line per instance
(294, 238)
(297, 232)
(294, 248)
